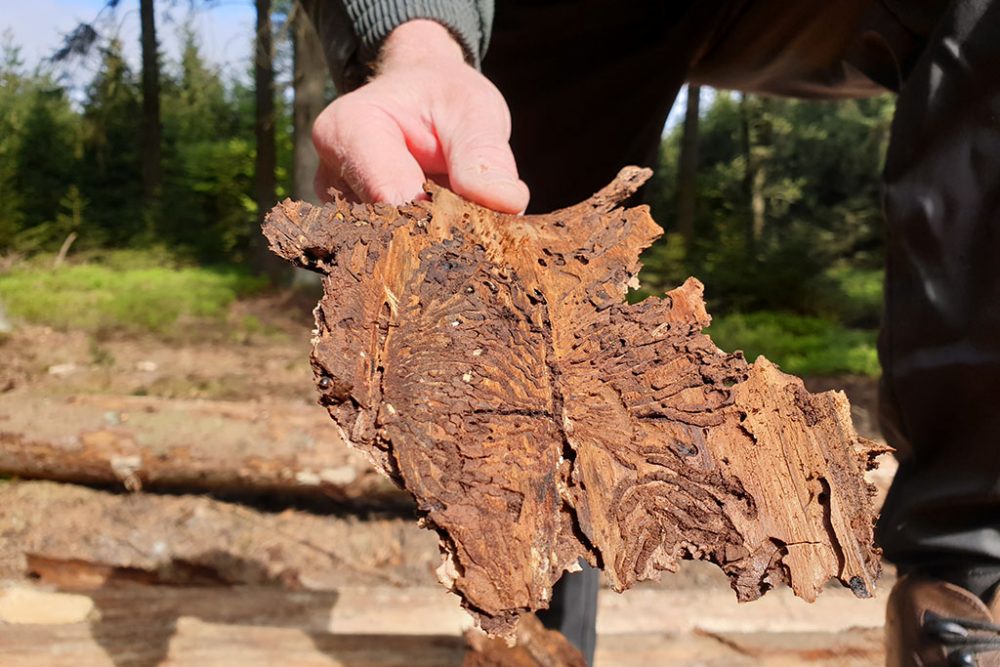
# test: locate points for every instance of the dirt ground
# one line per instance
(97, 576)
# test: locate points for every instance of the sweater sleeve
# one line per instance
(352, 31)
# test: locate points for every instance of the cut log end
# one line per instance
(489, 364)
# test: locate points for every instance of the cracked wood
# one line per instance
(489, 365)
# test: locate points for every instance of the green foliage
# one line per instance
(788, 214)
(209, 190)
(800, 345)
(39, 146)
(851, 296)
(788, 231)
(12, 98)
(110, 169)
(127, 292)
(49, 235)
(664, 267)
(786, 189)
(209, 162)
(76, 166)
(45, 156)
(196, 106)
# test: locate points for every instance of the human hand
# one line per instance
(425, 113)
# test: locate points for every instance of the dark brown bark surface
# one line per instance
(489, 365)
(152, 169)
(266, 158)
(264, 120)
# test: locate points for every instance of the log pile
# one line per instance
(489, 365)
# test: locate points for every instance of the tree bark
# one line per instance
(309, 83)
(755, 169)
(687, 172)
(489, 365)
(749, 178)
(152, 168)
(265, 166)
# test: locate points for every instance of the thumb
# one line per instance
(481, 165)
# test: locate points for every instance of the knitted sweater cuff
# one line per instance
(469, 21)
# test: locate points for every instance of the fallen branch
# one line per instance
(64, 250)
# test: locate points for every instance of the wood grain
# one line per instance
(489, 365)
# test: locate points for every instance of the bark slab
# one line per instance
(490, 366)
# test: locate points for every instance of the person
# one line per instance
(545, 101)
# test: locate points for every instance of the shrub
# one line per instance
(800, 345)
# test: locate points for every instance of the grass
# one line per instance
(122, 292)
(800, 345)
(143, 292)
(852, 296)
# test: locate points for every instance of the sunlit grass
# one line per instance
(800, 345)
(125, 292)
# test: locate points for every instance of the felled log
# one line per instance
(209, 446)
(66, 533)
(488, 364)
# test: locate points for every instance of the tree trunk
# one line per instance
(746, 147)
(489, 364)
(152, 168)
(755, 169)
(265, 183)
(758, 203)
(309, 83)
(160, 444)
(687, 172)
(168, 538)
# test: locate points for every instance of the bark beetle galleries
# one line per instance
(489, 365)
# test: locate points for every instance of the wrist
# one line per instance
(419, 40)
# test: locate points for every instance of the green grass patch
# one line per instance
(122, 293)
(800, 345)
(851, 295)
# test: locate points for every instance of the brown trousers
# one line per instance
(590, 83)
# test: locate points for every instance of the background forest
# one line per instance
(132, 204)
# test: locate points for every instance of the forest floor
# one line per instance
(97, 576)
